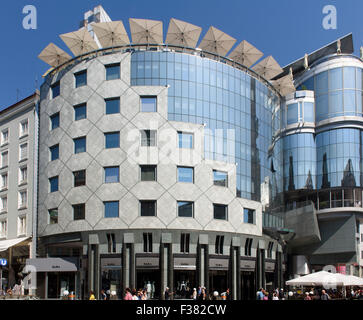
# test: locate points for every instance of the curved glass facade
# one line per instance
(338, 92)
(236, 108)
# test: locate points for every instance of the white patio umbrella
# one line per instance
(246, 54)
(354, 281)
(284, 85)
(54, 56)
(268, 68)
(321, 278)
(217, 41)
(111, 34)
(146, 31)
(182, 33)
(79, 42)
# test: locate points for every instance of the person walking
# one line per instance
(194, 294)
(167, 293)
(128, 295)
(103, 295)
(92, 295)
(307, 296)
(324, 295)
(275, 296)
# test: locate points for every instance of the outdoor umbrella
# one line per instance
(54, 55)
(246, 54)
(111, 34)
(146, 31)
(182, 33)
(268, 68)
(217, 41)
(321, 278)
(354, 281)
(79, 42)
(284, 85)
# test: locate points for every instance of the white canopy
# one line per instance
(146, 31)
(217, 41)
(284, 85)
(6, 244)
(53, 55)
(79, 42)
(246, 54)
(324, 279)
(111, 34)
(268, 68)
(182, 33)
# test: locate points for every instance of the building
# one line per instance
(152, 161)
(322, 134)
(18, 186)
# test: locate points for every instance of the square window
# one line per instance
(186, 174)
(54, 121)
(55, 90)
(112, 105)
(80, 112)
(79, 178)
(148, 138)
(112, 175)
(148, 208)
(54, 152)
(148, 173)
(148, 104)
(53, 216)
(80, 145)
(185, 209)
(220, 178)
(111, 209)
(79, 211)
(249, 216)
(53, 183)
(112, 140)
(185, 140)
(220, 211)
(112, 72)
(81, 78)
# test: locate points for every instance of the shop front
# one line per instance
(148, 275)
(248, 279)
(185, 276)
(111, 275)
(218, 274)
(270, 275)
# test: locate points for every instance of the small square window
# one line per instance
(81, 78)
(220, 211)
(249, 216)
(54, 152)
(185, 209)
(148, 138)
(79, 178)
(186, 174)
(80, 112)
(111, 209)
(112, 175)
(112, 106)
(53, 183)
(148, 208)
(185, 140)
(148, 173)
(148, 104)
(55, 90)
(80, 145)
(220, 178)
(54, 121)
(53, 216)
(112, 72)
(112, 140)
(79, 211)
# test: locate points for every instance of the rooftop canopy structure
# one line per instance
(216, 41)
(79, 42)
(182, 33)
(111, 34)
(268, 68)
(246, 54)
(54, 56)
(145, 31)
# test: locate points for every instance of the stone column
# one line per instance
(166, 264)
(203, 261)
(235, 265)
(260, 265)
(128, 262)
(93, 264)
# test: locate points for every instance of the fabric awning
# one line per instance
(6, 244)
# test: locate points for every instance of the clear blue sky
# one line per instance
(286, 29)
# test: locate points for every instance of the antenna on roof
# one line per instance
(306, 62)
(339, 47)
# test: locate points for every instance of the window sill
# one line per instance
(4, 212)
(4, 167)
(22, 207)
(22, 183)
(24, 136)
(23, 160)
(4, 144)
(4, 189)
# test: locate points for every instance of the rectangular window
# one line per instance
(249, 216)
(54, 152)
(292, 113)
(79, 145)
(80, 112)
(220, 211)
(4, 204)
(4, 181)
(5, 159)
(79, 211)
(23, 199)
(219, 244)
(148, 242)
(5, 136)
(112, 71)
(23, 175)
(112, 105)
(185, 140)
(148, 104)
(184, 242)
(53, 216)
(148, 138)
(269, 249)
(185, 209)
(3, 229)
(54, 121)
(79, 178)
(23, 151)
(55, 90)
(21, 226)
(111, 242)
(112, 140)
(111, 209)
(81, 78)
(53, 184)
(248, 246)
(220, 178)
(186, 174)
(148, 173)
(112, 175)
(148, 208)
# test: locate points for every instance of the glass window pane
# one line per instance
(349, 77)
(112, 174)
(148, 173)
(113, 72)
(79, 178)
(54, 153)
(112, 140)
(321, 83)
(185, 140)
(148, 138)
(292, 113)
(336, 103)
(79, 211)
(220, 178)
(336, 78)
(309, 115)
(80, 145)
(248, 216)
(185, 209)
(148, 208)
(55, 90)
(220, 211)
(53, 184)
(148, 104)
(81, 79)
(111, 209)
(185, 174)
(53, 216)
(80, 112)
(112, 106)
(54, 121)
(349, 101)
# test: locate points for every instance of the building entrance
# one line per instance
(150, 281)
(59, 282)
(184, 282)
(218, 281)
(248, 286)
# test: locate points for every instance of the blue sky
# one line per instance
(286, 29)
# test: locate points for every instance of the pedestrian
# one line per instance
(128, 295)
(103, 295)
(92, 295)
(307, 296)
(266, 295)
(167, 293)
(324, 295)
(228, 294)
(275, 296)
(203, 295)
(134, 294)
(260, 294)
(194, 294)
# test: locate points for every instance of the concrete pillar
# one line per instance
(235, 267)
(203, 261)
(260, 265)
(94, 265)
(166, 264)
(128, 262)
